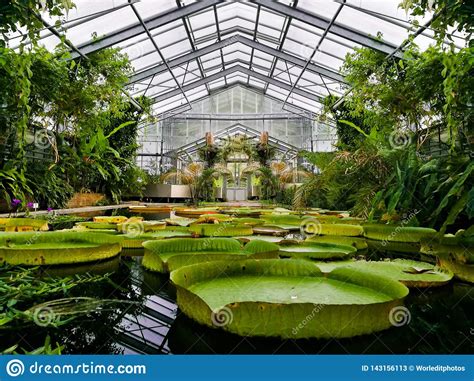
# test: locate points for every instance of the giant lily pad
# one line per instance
(138, 227)
(168, 255)
(461, 270)
(132, 241)
(399, 247)
(248, 221)
(455, 253)
(358, 243)
(179, 221)
(194, 213)
(313, 226)
(220, 230)
(97, 225)
(270, 230)
(282, 219)
(57, 248)
(242, 212)
(316, 250)
(22, 224)
(110, 219)
(393, 233)
(288, 299)
(410, 273)
(459, 248)
(266, 238)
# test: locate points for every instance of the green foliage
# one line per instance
(88, 126)
(455, 14)
(264, 153)
(379, 170)
(25, 288)
(209, 154)
(16, 14)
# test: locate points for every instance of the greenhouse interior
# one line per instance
(236, 177)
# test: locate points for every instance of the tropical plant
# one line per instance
(238, 144)
(199, 291)
(286, 174)
(264, 153)
(188, 175)
(209, 154)
(23, 14)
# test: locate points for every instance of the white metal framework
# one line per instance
(184, 50)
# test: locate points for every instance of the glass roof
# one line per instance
(182, 51)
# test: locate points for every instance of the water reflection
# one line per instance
(148, 321)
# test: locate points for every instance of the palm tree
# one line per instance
(188, 175)
(286, 174)
(197, 177)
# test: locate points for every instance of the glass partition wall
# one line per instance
(236, 110)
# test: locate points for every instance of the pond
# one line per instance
(148, 321)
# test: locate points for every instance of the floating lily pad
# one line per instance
(57, 248)
(410, 273)
(248, 221)
(393, 233)
(358, 243)
(97, 225)
(136, 241)
(316, 250)
(242, 212)
(287, 299)
(313, 226)
(455, 253)
(22, 224)
(210, 218)
(459, 248)
(137, 227)
(270, 230)
(399, 247)
(168, 255)
(282, 219)
(110, 219)
(220, 230)
(266, 238)
(462, 271)
(194, 213)
(179, 221)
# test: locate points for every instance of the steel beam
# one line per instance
(232, 40)
(323, 22)
(299, 110)
(238, 69)
(231, 63)
(151, 23)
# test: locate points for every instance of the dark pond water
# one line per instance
(442, 321)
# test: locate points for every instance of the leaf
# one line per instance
(280, 294)
(123, 125)
(349, 123)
